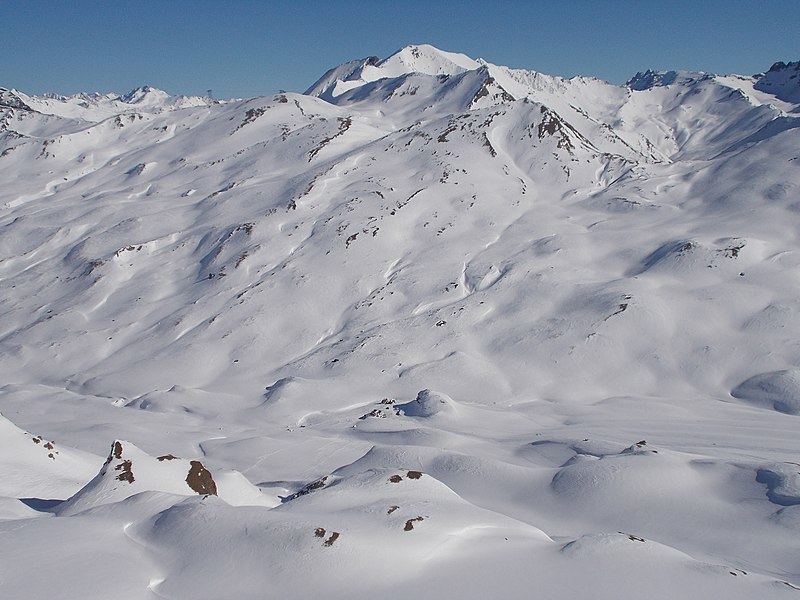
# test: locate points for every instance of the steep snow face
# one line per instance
(35, 467)
(493, 316)
(783, 81)
(746, 85)
(12, 99)
(650, 79)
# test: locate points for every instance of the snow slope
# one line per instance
(435, 327)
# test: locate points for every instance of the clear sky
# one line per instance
(249, 47)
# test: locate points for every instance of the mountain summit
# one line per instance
(423, 59)
(782, 80)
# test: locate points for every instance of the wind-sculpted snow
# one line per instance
(779, 390)
(436, 328)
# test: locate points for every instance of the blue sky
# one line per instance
(248, 47)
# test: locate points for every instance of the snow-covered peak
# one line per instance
(782, 80)
(11, 99)
(650, 79)
(96, 106)
(154, 99)
(83, 97)
(145, 95)
(423, 59)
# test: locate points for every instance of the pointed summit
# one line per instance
(427, 60)
(782, 81)
(423, 59)
(145, 95)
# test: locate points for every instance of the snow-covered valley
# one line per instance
(435, 328)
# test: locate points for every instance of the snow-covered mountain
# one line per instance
(460, 324)
(95, 107)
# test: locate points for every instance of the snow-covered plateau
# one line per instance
(436, 328)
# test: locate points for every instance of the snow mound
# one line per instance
(616, 556)
(783, 483)
(596, 545)
(389, 523)
(428, 404)
(638, 470)
(129, 471)
(689, 256)
(411, 535)
(560, 453)
(779, 390)
(399, 501)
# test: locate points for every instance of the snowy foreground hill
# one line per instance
(435, 329)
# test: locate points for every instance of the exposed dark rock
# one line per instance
(200, 479)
